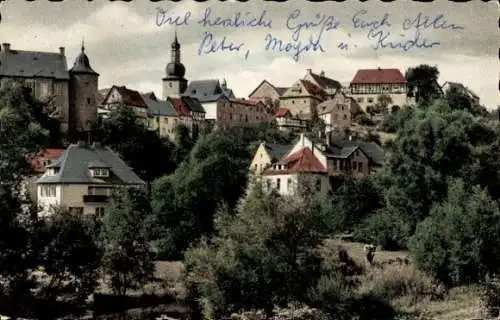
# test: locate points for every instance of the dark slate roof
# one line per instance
(18, 63)
(370, 148)
(207, 91)
(74, 167)
(193, 104)
(277, 151)
(159, 107)
(82, 64)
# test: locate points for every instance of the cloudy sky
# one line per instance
(127, 47)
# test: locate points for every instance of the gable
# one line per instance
(304, 141)
(261, 155)
(264, 90)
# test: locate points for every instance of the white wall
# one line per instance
(47, 202)
(210, 109)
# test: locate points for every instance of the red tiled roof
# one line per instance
(47, 154)
(300, 162)
(312, 88)
(375, 76)
(181, 109)
(281, 112)
(131, 97)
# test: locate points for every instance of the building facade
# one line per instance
(240, 112)
(82, 179)
(268, 94)
(287, 122)
(70, 95)
(330, 86)
(368, 84)
(338, 112)
(119, 96)
(302, 98)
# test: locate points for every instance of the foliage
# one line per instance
(383, 102)
(396, 119)
(458, 242)
(68, 258)
(127, 257)
(350, 204)
(184, 142)
(262, 257)
(424, 79)
(364, 120)
(460, 101)
(142, 149)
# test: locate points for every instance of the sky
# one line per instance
(128, 43)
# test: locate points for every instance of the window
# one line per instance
(318, 185)
(278, 183)
(165, 120)
(101, 172)
(99, 212)
(370, 100)
(360, 100)
(76, 210)
(99, 191)
(48, 191)
(88, 100)
(268, 184)
(345, 116)
(289, 184)
(360, 166)
(354, 165)
(255, 167)
(341, 165)
(170, 84)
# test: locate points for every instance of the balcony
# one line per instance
(94, 198)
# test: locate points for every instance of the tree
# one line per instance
(128, 259)
(184, 203)
(423, 78)
(68, 257)
(460, 101)
(263, 256)
(383, 102)
(21, 137)
(184, 142)
(458, 242)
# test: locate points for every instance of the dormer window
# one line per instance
(100, 172)
(52, 171)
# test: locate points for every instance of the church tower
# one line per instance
(174, 83)
(83, 87)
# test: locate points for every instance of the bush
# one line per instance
(397, 281)
(385, 229)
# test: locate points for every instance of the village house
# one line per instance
(122, 96)
(266, 155)
(338, 112)
(83, 178)
(269, 94)
(238, 112)
(368, 84)
(330, 86)
(287, 122)
(190, 113)
(70, 95)
(162, 116)
(302, 98)
(209, 92)
(295, 171)
(39, 165)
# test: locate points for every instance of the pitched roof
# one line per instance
(302, 161)
(38, 162)
(370, 148)
(19, 63)
(281, 112)
(180, 108)
(74, 164)
(279, 90)
(129, 97)
(325, 82)
(277, 151)
(207, 91)
(193, 104)
(313, 89)
(375, 76)
(158, 107)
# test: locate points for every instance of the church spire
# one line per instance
(83, 44)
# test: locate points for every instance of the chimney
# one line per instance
(309, 71)
(61, 51)
(6, 47)
(322, 73)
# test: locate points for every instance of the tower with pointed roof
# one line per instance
(174, 83)
(83, 88)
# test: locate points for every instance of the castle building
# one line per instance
(70, 95)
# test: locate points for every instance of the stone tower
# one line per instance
(174, 83)
(83, 87)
